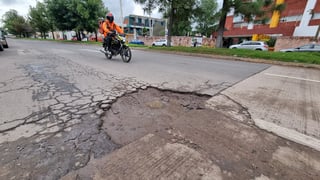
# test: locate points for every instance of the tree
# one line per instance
(206, 17)
(78, 15)
(248, 9)
(40, 20)
(89, 12)
(178, 12)
(15, 23)
(183, 14)
(150, 6)
(62, 14)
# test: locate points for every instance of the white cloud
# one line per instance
(22, 6)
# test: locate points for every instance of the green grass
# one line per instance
(299, 57)
(137, 45)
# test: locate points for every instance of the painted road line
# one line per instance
(291, 77)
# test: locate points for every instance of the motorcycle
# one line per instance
(118, 46)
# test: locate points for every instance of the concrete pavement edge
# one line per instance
(288, 134)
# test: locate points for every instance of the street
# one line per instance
(67, 112)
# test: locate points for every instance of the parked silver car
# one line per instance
(253, 45)
(305, 48)
(3, 41)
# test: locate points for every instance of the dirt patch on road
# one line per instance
(241, 150)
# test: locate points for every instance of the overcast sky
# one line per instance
(129, 7)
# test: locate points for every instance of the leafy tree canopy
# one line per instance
(179, 13)
(78, 15)
(206, 17)
(15, 23)
(39, 19)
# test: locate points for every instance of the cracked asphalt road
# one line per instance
(57, 127)
(64, 107)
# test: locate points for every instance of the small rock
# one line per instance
(112, 98)
(144, 87)
(105, 106)
(100, 112)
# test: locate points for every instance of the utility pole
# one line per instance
(121, 14)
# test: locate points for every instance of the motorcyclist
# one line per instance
(109, 28)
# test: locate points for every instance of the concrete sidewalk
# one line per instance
(283, 100)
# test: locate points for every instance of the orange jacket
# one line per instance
(107, 27)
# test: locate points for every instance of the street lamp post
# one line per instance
(121, 14)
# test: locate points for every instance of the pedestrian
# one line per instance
(195, 43)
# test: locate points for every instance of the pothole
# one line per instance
(152, 111)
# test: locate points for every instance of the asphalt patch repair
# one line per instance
(172, 135)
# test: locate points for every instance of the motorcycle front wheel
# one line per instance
(126, 54)
(108, 54)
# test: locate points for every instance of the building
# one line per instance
(300, 18)
(143, 25)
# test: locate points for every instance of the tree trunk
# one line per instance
(170, 24)
(222, 22)
(78, 36)
(96, 34)
(53, 35)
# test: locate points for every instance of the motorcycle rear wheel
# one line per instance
(126, 54)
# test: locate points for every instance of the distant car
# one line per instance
(253, 45)
(160, 42)
(304, 48)
(136, 41)
(3, 41)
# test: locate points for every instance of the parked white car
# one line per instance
(160, 42)
(304, 48)
(253, 45)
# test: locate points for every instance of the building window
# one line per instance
(238, 19)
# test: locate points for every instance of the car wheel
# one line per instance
(259, 49)
(163, 45)
(1, 47)
(153, 45)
